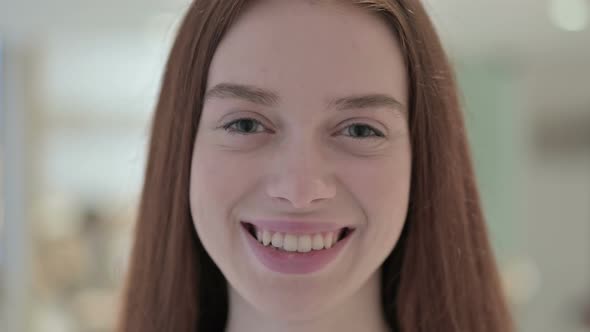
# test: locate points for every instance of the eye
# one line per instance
(243, 126)
(247, 126)
(363, 131)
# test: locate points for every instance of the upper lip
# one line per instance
(296, 226)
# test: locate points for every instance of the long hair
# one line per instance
(441, 276)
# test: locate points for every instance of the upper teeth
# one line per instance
(299, 243)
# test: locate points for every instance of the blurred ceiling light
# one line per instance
(570, 15)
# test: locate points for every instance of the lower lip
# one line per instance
(294, 262)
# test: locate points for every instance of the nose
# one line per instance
(300, 176)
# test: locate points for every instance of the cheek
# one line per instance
(382, 190)
(214, 186)
(381, 185)
(215, 179)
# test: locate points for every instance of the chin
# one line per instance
(295, 303)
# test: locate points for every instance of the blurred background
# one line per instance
(78, 83)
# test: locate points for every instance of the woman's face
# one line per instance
(303, 133)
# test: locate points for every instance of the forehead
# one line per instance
(310, 51)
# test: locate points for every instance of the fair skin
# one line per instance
(303, 155)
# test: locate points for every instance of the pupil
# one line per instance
(359, 132)
(248, 127)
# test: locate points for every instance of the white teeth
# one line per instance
(290, 242)
(265, 237)
(277, 240)
(304, 243)
(328, 238)
(317, 242)
(299, 243)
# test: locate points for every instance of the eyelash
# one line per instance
(377, 134)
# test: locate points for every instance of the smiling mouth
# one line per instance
(297, 242)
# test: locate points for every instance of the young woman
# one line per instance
(309, 171)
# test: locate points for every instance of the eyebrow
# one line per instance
(370, 101)
(270, 98)
(247, 92)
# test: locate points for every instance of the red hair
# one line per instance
(441, 276)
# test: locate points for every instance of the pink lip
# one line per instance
(293, 262)
(296, 227)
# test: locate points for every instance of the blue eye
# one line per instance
(247, 126)
(242, 126)
(363, 131)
